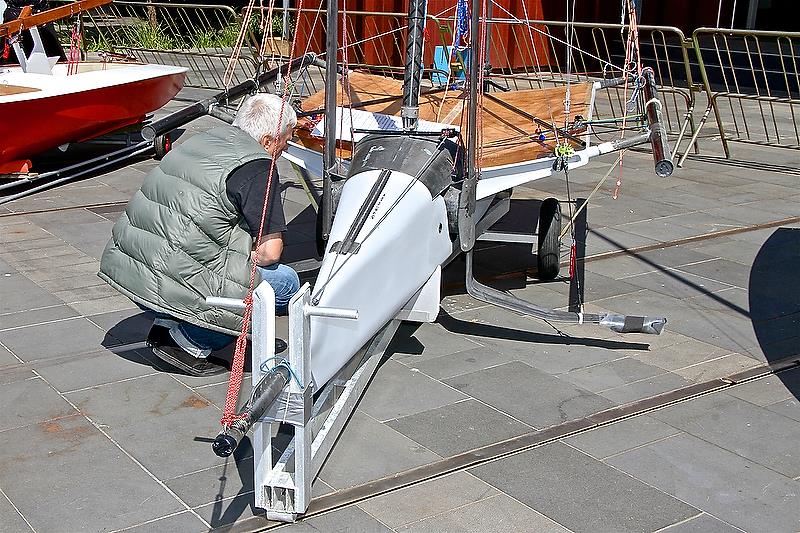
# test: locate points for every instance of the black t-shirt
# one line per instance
(246, 188)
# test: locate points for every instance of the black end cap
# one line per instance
(224, 445)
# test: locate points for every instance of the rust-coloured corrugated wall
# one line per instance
(506, 50)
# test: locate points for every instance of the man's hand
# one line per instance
(269, 251)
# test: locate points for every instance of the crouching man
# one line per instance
(190, 232)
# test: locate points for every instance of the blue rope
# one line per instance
(281, 362)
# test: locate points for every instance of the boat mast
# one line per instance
(329, 151)
(466, 201)
(417, 10)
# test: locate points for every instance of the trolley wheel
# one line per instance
(162, 145)
(549, 239)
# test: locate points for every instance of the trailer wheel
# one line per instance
(162, 145)
(549, 239)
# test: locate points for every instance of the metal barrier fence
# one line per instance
(752, 83)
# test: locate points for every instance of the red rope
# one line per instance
(237, 366)
(74, 56)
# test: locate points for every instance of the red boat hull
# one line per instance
(29, 127)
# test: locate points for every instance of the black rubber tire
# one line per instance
(162, 145)
(548, 256)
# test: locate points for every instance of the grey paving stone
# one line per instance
(347, 520)
(660, 229)
(30, 402)
(81, 294)
(369, 450)
(426, 341)
(49, 272)
(22, 231)
(7, 358)
(36, 316)
(96, 368)
(680, 354)
(621, 436)
(89, 484)
(768, 390)
(42, 341)
(582, 493)
(127, 326)
(676, 284)
(607, 239)
(789, 408)
(612, 374)
(428, 499)
(11, 521)
(646, 388)
(459, 427)
(724, 366)
(721, 270)
(10, 248)
(20, 294)
(105, 305)
(495, 514)
(185, 521)
(741, 427)
(529, 395)
(387, 396)
(447, 366)
(153, 416)
(730, 487)
(703, 523)
(727, 248)
(641, 262)
(232, 479)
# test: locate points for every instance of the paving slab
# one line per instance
(151, 417)
(12, 521)
(349, 520)
(582, 493)
(702, 523)
(429, 499)
(89, 484)
(40, 315)
(185, 521)
(529, 395)
(369, 450)
(496, 514)
(385, 399)
(761, 436)
(64, 337)
(460, 427)
(30, 401)
(622, 436)
(732, 488)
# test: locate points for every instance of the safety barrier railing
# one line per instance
(752, 82)
(196, 36)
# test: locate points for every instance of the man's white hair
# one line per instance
(261, 115)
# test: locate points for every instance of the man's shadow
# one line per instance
(774, 301)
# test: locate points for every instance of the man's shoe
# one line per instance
(170, 352)
(280, 346)
(158, 335)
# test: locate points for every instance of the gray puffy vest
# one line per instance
(181, 239)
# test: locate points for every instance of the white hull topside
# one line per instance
(396, 256)
(91, 76)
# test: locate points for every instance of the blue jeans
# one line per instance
(284, 282)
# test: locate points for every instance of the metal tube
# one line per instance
(264, 394)
(198, 109)
(228, 303)
(658, 137)
(331, 312)
(329, 151)
(467, 199)
(413, 72)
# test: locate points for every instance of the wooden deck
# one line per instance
(509, 133)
